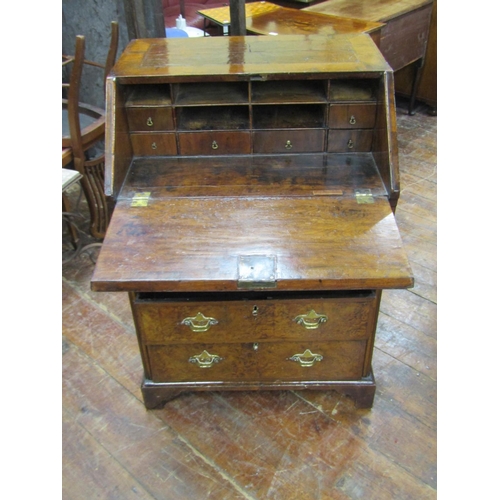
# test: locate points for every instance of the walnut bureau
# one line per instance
(255, 181)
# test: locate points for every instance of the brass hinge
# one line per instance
(140, 199)
(364, 196)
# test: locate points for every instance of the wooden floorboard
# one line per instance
(253, 445)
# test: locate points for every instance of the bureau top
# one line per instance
(231, 58)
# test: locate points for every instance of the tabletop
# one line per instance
(265, 18)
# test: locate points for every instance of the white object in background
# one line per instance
(180, 23)
(194, 32)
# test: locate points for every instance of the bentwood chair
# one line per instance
(83, 128)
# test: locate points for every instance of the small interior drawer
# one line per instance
(154, 144)
(350, 141)
(150, 119)
(214, 143)
(288, 141)
(352, 116)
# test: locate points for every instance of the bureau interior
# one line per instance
(317, 118)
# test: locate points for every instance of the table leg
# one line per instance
(419, 64)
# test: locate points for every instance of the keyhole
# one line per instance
(255, 311)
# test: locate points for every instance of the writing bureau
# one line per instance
(255, 181)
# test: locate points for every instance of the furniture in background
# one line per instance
(427, 87)
(83, 128)
(403, 39)
(266, 18)
(254, 226)
(189, 10)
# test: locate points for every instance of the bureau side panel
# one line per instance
(118, 153)
(385, 145)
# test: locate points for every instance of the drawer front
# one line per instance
(150, 119)
(172, 322)
(214, 143)
(273, 361)
(154, 144)
(288, 141)
(352, 116)
(255, 320)
(350, 141)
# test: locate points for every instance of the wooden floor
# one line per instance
(251, 445)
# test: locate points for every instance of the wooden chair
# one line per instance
(85, 128)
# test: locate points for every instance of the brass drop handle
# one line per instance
(199, 323)
(149, 122)
(205, 359)
(154, 146)
(288, 145)
(352, 120)
(215, 145)
(311, 320)
(306, 359)
(350, 144)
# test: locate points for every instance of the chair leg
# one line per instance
(66, 208)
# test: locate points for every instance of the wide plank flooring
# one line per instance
(303, 445)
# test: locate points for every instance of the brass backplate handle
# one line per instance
(306, 359)
(205, 359)
(149, 122)
(311, 320)
(199, 323)
(288, 145)
(352, 120)
(215, 145)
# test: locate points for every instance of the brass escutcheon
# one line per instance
(306, 359)
(288, 145)
(154, 146)
(149, 122)
(352, 120)
(311, 320)
(350, 144)
(215, 145)
(199, 323)
(205, 359)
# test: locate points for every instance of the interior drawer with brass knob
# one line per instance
(339, 360)
(154, 144)
(352, 116)
(214, 143)
(350, 141)
(288, 141)
(150, 119)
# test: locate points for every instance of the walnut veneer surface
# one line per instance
(255, 181)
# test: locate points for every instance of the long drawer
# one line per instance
(267, 361)
(345, 317)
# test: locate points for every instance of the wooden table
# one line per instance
(403, 38)
(265, 18)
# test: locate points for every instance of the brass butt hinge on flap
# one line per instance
(140, 199)
(364, 196)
